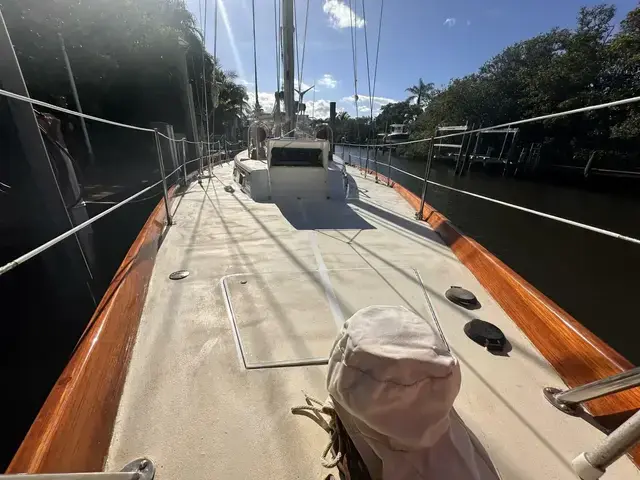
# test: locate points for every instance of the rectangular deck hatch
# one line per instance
(284, 319)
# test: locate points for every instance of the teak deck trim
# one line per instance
(576, 353)
(73, 429)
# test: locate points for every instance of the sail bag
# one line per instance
(392, 381)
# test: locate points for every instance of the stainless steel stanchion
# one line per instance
(366, 164)
(389, 172)
(184, 162)
(426, 181)
(164, 179)
(375, 161)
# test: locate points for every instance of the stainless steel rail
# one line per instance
(569, 400)
(592, 465)
(140, 469)
(538, 213)
(405, 172)
(54, 241)
(508, 125)
(45, 246)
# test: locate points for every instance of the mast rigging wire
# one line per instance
(354, 49)
(277, 39)
(255, 54)
(301, 69)
(366, 49)
(205, 100)
(375, 71)
(215, 33)
(304, 46)
(214, 85)
(295, 29)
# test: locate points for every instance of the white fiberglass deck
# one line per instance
(198, 403)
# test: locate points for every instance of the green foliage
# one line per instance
(422, 93)
(128, 58)
(353, 130)
(232, 107)
(400, 112)
(562, 69)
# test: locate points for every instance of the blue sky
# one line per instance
(433, 39)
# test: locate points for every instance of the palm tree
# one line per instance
(232, 104)
(422, 92)
(341, 125)
(342, 116)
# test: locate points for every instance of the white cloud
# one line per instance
(450, 22)
(295, 85)
(242, 81)
(305, 86)
(364, 106)
(328, 81)
(365, 99)
(340, 15)
(267, 100)
(318, 109)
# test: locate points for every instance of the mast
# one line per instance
(288, 64)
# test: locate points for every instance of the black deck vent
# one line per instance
(462, 297)
(486, 334)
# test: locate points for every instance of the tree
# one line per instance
(127, 57)
(232, 106)
(399, 112)
(561, 69)
(421, 93)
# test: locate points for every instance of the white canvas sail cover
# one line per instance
(393, 381)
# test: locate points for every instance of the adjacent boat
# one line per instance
(398, 132)
(443, 362)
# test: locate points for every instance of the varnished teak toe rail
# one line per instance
(73, 429)
(576, 354)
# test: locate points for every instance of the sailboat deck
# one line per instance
(222, 355)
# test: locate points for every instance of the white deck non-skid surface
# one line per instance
(190, 404)
(273, 328)
(291, 310)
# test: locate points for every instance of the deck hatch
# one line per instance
(283, 319)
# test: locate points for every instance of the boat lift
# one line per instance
(458, 147)
(463, 158)
(487, 159)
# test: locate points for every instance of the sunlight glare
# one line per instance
(232, 40)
